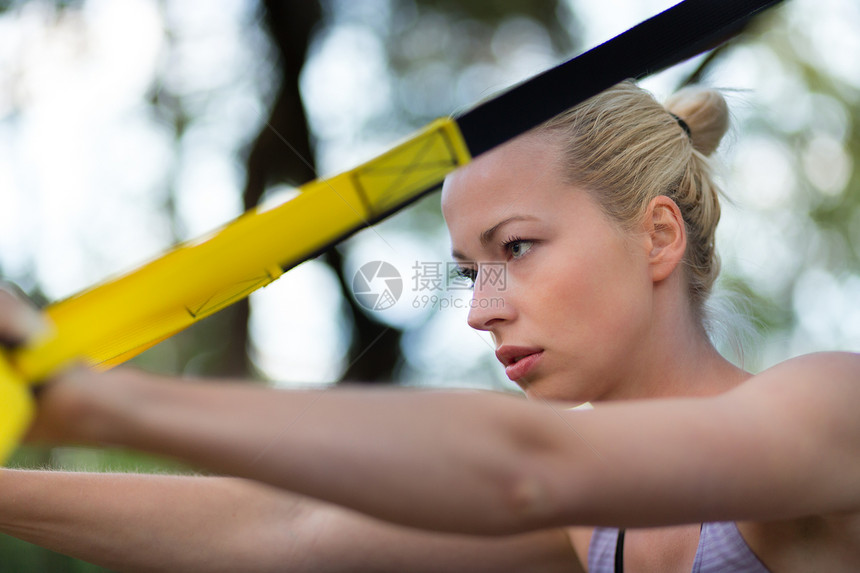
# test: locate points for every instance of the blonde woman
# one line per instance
(605, 219)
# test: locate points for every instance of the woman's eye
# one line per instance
(466, 274)
(519, 247)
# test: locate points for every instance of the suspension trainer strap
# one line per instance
(681, 32)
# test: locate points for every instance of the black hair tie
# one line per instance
(683, 125)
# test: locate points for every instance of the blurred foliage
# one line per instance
(794, 167)
(19, 556)
(59, 5)
(442, 55)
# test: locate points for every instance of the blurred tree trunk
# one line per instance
(282, 153)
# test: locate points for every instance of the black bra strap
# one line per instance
(619, 552)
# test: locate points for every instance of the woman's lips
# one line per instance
(521, 367)
(518, 361)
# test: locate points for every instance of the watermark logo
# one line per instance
(377, 285)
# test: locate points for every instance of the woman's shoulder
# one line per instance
(811, 399)
(819, 373)
(824, 358)
(802, 418)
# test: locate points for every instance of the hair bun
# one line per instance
(705, 111)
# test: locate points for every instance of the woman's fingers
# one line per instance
(20, 320)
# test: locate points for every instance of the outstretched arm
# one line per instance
(132, 522)
(434, 460)
(149, 522)
(492, 464)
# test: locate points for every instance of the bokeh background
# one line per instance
(127, 126)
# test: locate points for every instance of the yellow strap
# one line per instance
(16, 408)
(114, 321)
(119, 318)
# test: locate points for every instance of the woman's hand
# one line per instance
(63, 405)
(64, 399)
(20, 320)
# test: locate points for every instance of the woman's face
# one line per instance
(565, 293)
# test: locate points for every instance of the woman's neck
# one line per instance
(677, 359)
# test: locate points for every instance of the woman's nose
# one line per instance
(490, 302)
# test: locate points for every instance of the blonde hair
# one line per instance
(625, 148)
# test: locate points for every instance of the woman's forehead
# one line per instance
(524, 164)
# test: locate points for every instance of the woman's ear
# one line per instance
(666, 235)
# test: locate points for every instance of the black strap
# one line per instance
(619, 549)
(619, 552)
(677, 34)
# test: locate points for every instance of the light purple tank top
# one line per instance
(721, 548)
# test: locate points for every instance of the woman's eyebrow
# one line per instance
(487, 236)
